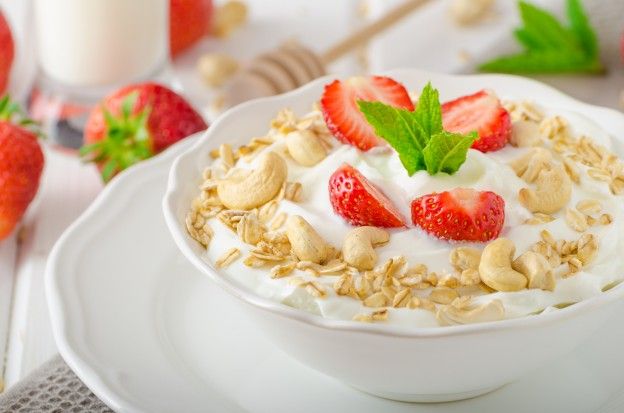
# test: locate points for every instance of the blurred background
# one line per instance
(61, 58)
(451, 36)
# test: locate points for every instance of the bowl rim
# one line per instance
(178, 232)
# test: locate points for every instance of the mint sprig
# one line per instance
(549, 46)
(418, 136)
(447, 151)
(400, 129)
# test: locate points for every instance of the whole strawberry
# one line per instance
(189, 21)
(135, 123)
(6, 53)
(21, 163)
(461, 214)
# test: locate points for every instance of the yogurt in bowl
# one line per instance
(333, 312)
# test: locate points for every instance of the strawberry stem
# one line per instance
(11, 111)
(126, 141)
(8, 108)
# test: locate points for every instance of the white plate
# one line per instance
(147, 332)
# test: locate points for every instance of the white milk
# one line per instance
(101, 42)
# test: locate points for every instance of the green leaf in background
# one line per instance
(529, 40)
(550, 47)
(544, 26)
(549, 61)
(418, 136)
(447, 151)
(582, 29)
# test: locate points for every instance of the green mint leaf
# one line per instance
(447, 151)
(428, 112)
(543, 62)
(541, 23)
(530, 40)
(400, 129)
(550, 47)
(579, 24)
(418, 136)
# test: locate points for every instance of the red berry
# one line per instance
(461, 214)
(155, 118)
(481, 112)
(21, 164)
(622, 47)
(6, 53)
(355, 199)
(342, 115)
(189, 21)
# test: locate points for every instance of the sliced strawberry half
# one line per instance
(342, 115)
(461, 214)
(358, 201)
(481, 112)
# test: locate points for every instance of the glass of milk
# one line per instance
(88, 48)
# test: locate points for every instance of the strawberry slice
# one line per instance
(355, 199)
(481, 112)
(342, 115)
(461, 214)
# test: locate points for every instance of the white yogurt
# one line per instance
(480, 171)
(101, 42)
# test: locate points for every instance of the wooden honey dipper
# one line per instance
(293, 65)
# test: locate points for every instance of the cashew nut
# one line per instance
(553, 192)
(525, 133)
(305, 147)
(465, 258)
(467, 12)
(305, 242)
(531, 164)
(519, 165)
(216, 68)
(539, 162)
(359, 246)
(495, 267)
(537, 270)
(257, 188)
(228, 17)
(452, 314)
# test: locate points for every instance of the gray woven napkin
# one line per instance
(52, 388)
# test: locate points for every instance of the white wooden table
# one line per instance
(68, 186)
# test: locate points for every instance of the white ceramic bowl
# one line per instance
(418, 364)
